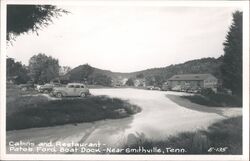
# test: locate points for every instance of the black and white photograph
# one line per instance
(116, 80)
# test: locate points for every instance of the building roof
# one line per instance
(185, 77)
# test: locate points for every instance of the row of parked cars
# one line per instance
(176, 88)
(59, 90)
(186, 89)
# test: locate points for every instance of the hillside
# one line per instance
(95, 71)
(204, 65)
(198, 66)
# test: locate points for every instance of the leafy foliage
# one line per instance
(24, 18)
(43, 68)
(100, 79)
(64, 70)
(16, 71)
(82, 73)
(232, 60)
(130, 82)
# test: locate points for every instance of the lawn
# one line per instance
(224, 137)
(216, 100)
(29, 111)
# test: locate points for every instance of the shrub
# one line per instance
(207, 92)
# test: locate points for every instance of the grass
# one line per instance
(216, 100)
(38, 111)
(224, 134)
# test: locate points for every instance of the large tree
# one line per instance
(24, 18)
(231, 67)
(43, 68)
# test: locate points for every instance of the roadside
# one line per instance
(186, 103)
(223, 137)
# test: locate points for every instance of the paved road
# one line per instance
(160, 118)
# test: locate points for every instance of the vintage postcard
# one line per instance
(124, 80)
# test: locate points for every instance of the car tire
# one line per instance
(59, 95)
(83, 95)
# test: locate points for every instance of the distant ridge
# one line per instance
(197, 66)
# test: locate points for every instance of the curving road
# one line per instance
(160, 118)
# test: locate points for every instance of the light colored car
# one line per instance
(176, 88)
(150, 87)
(157, 88)
(71, 89)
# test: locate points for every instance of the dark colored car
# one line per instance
(47, 88)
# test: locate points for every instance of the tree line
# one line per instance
(44, 69)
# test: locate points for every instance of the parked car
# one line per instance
(165, 87)
(194, 90)
(150, 87)
(27, 86)
(157, 88)
(177, 88)
(71, 89)
(46, 88)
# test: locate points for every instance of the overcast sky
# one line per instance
(126, 39)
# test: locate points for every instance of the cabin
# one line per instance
(193, 81)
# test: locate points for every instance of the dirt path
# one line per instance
(160, 118)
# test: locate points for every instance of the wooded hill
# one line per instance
(204, 65)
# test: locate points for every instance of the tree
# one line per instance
(130, 82)
(43, 68)
(101, 79)
(24, 18)
(16, 71)
(150, 80)
(231, 67)
(64, 70)
(159, 80)
(140, 76)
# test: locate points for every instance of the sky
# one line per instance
(128, 38)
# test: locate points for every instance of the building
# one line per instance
(193, 81)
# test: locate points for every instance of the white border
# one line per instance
(243, 4)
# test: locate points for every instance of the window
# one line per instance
(82, 86)
(71, 86)
(77, 86)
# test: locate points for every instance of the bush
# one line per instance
(208, 97)
(207, 92)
